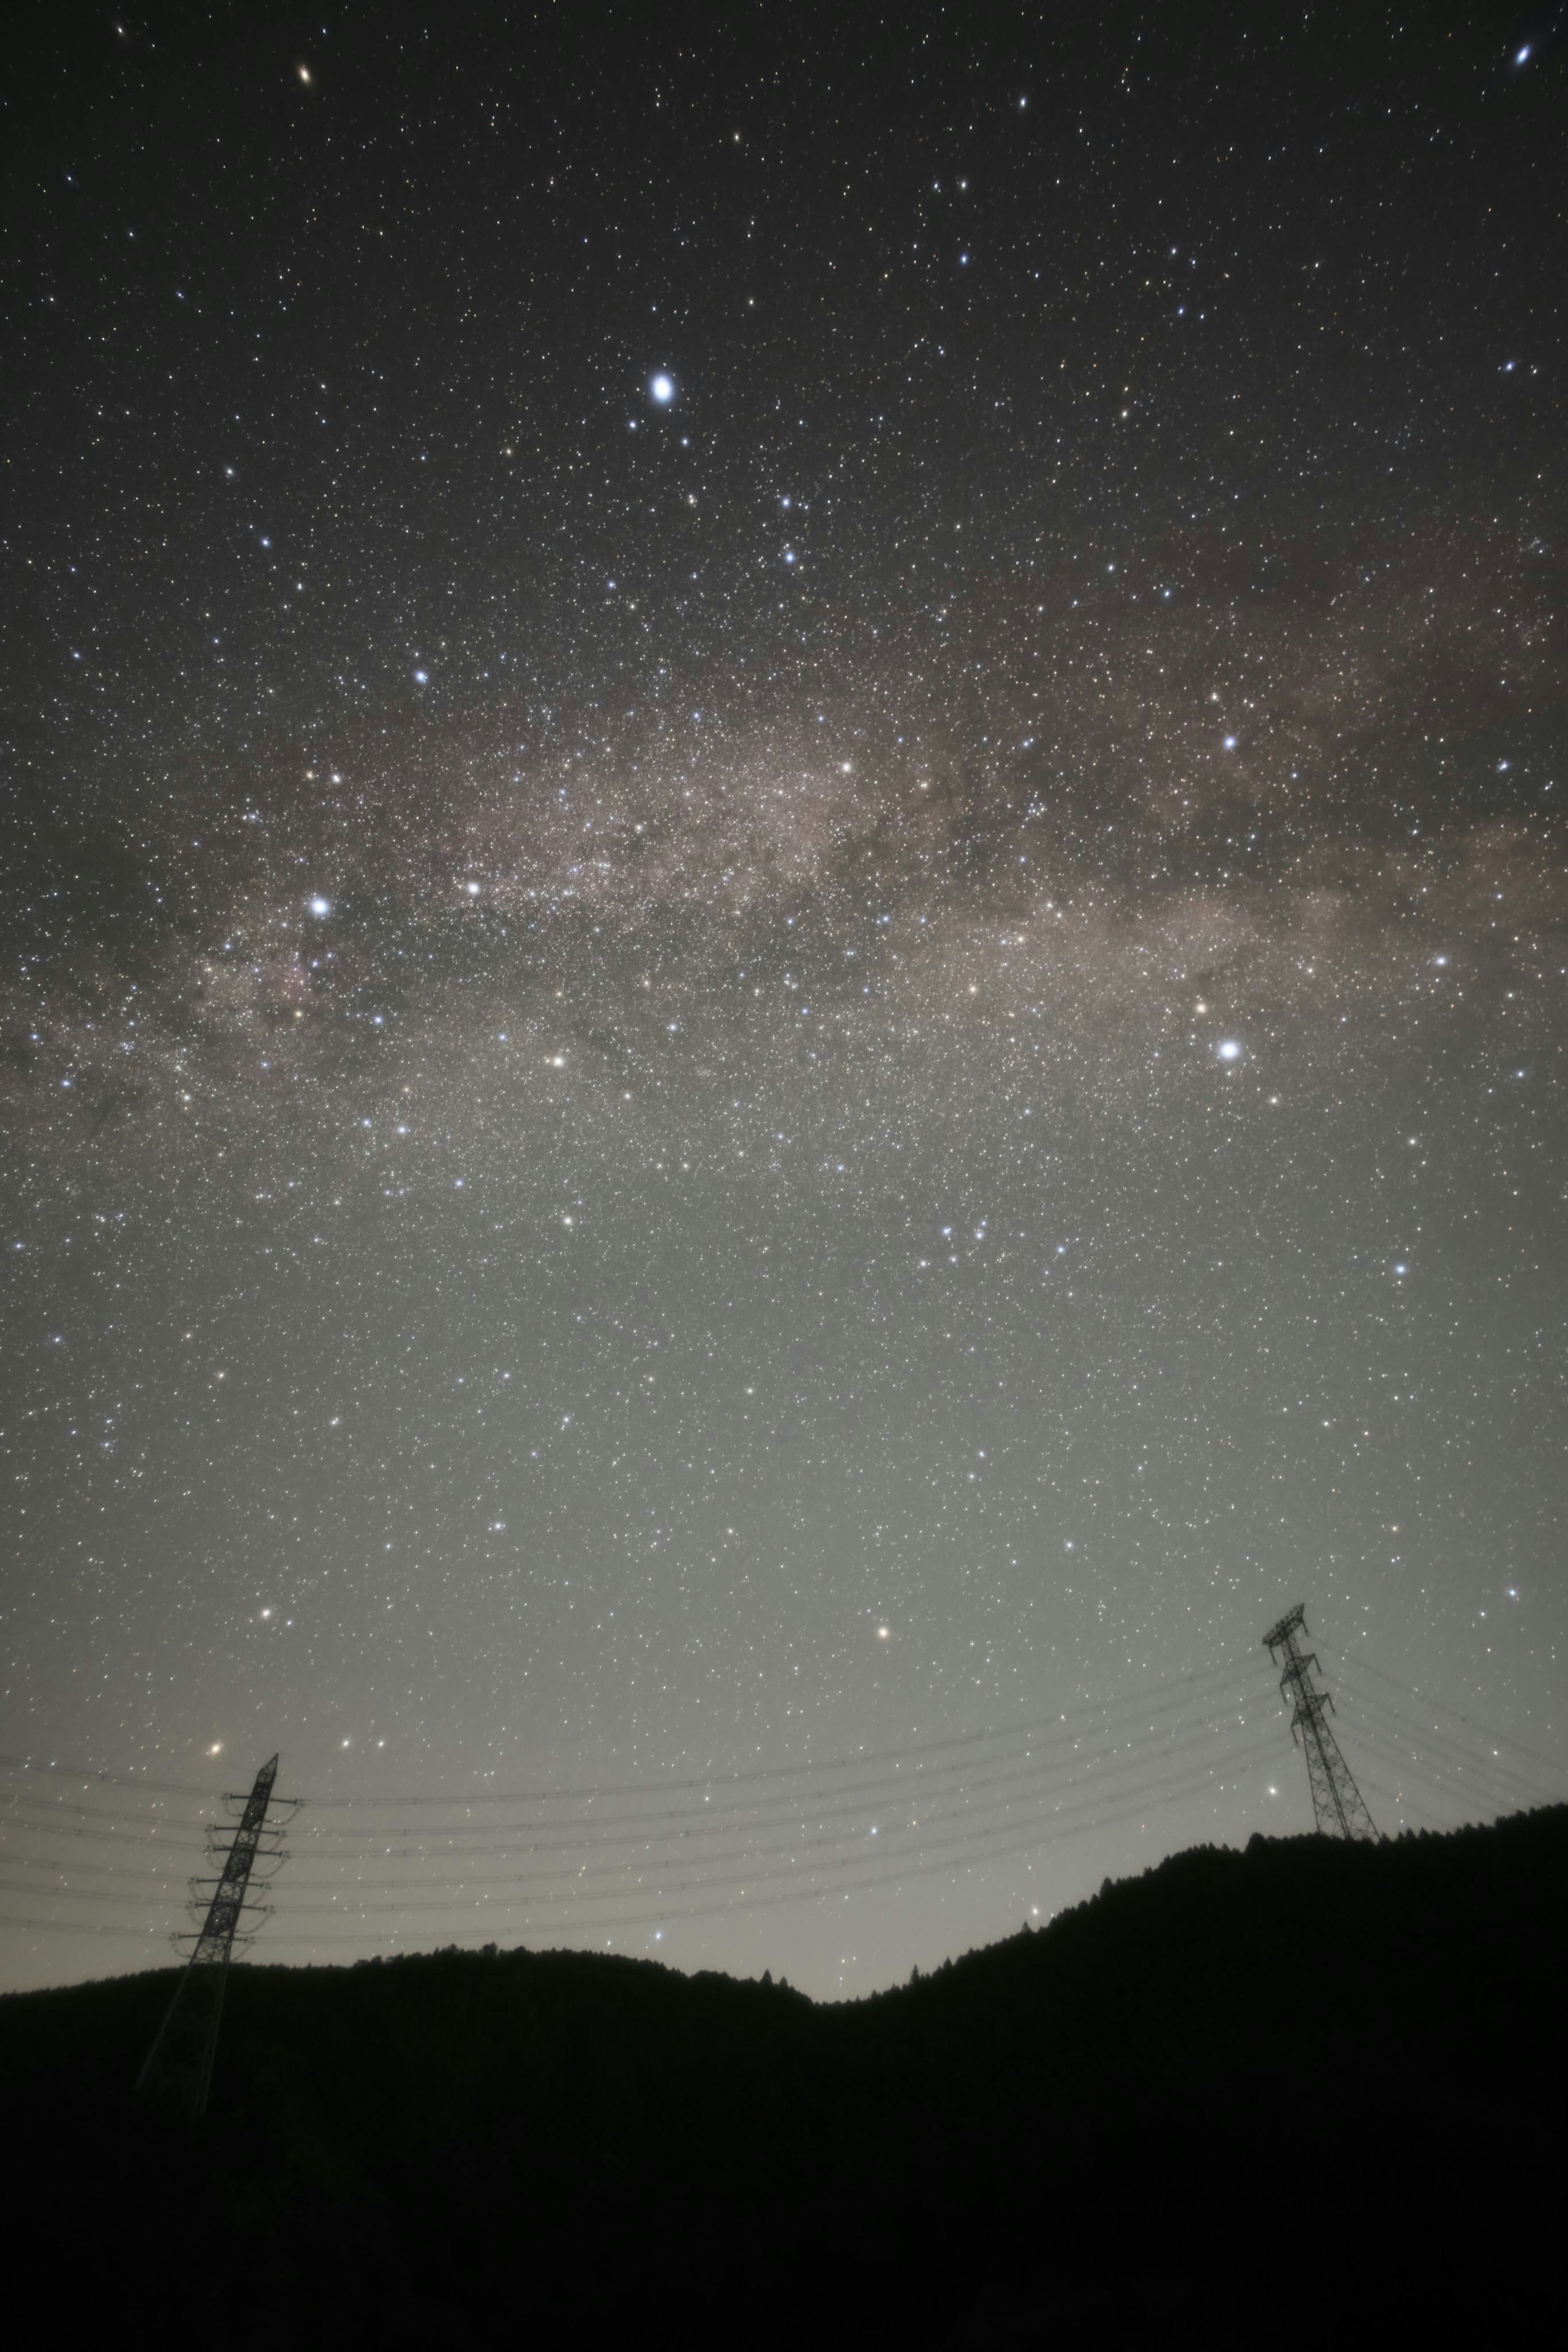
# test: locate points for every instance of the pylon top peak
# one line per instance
(1286, 1626)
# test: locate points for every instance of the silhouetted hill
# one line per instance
(1308, 2082)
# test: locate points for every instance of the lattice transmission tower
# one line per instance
(1339, 1808)
(179, 2066)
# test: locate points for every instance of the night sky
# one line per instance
(783, 953)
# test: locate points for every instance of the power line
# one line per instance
(1487, 1782)
(631, 1829)
(96, 1869)
(1027, 1844)
(1021, 1785)
(1067, 1816)
(1554, 1764)
(100, 1777)
(1019, 1779)
(1395, 1754)
(1402, 1804)
(27, 1827)
(854, 1762)
(23, 1799)
(85, 1928)
(563, 1835)
(1445, 1743)
(585, 1792)
(91, 1894)
(1079, 1772)
(1090, 1803)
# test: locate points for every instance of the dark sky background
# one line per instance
(871, 1052)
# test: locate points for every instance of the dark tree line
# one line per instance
(1324, 2071)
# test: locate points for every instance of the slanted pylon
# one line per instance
(1339, 1808)
(179, 2066)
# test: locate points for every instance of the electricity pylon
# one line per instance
(179, 2066)
(1339, 1808)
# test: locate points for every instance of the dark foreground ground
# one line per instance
(1306, 2087)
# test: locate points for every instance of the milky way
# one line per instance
(787, 936)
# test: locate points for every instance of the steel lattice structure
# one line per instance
(1339, 1808)
(179, 2066)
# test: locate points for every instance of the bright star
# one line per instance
(662, 390)
(1228, 1050)
(321, 906)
